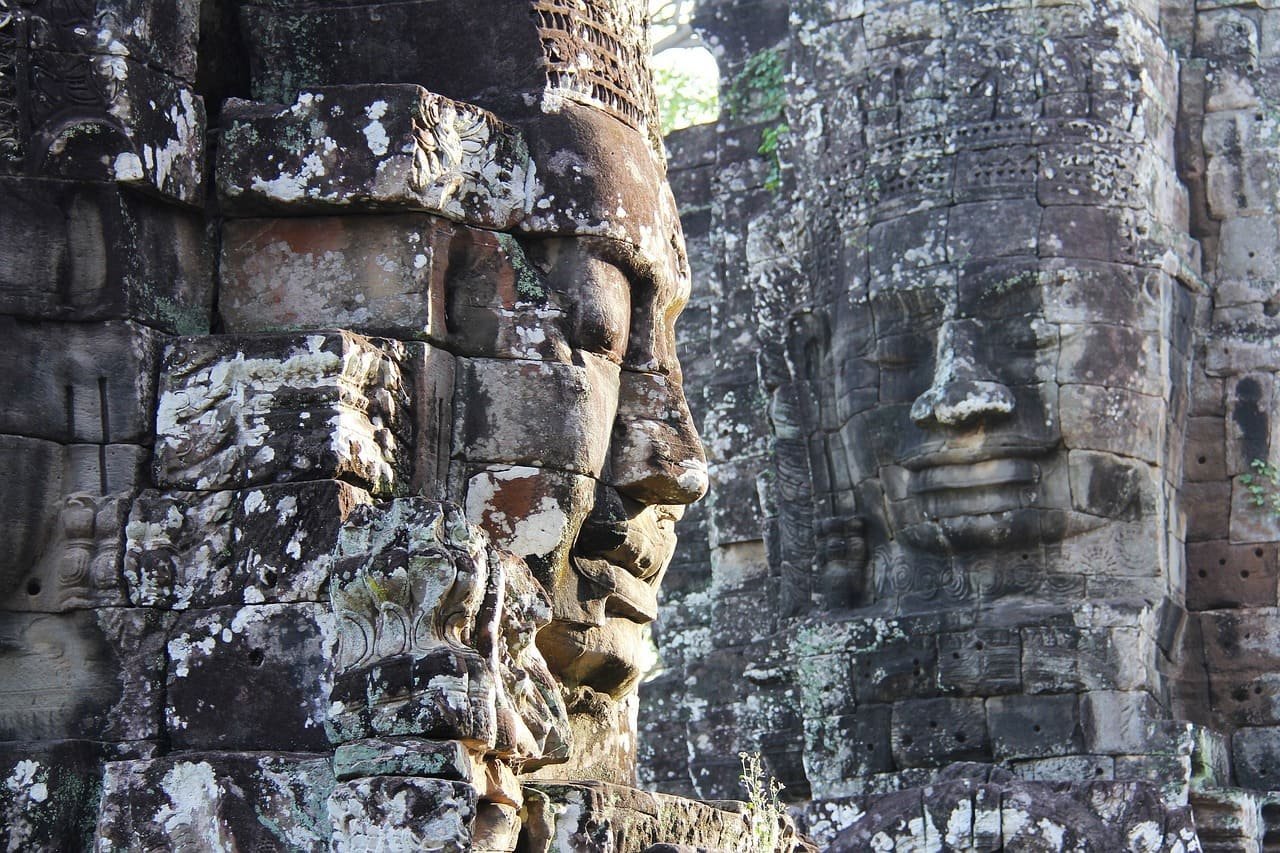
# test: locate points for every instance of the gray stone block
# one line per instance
(81, 251)
(1255, 757)
(90, 383)
(89, 674)
(240, 411)
(215, 801)
(108, 117)
(389, 147)
(936, 732)
(249, 678)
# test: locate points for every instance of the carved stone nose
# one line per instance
(961, 401)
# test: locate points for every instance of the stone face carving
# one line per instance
(1011, 339)
(408, 507)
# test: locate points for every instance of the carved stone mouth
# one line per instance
(975, 475)
(630, 597)
(932, 457)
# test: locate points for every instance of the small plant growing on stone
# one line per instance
(760, 87)
(1263, 484)
(764, 812)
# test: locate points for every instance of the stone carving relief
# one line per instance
(416, 588)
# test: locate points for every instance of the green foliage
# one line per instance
(684, 98)
(764, 812)
(770, 138)
(760, 89)
(1263, 485)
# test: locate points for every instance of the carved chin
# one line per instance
(602, 657)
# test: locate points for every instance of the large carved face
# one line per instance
(588, 479)
(991, 382)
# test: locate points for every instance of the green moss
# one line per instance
(528, 282)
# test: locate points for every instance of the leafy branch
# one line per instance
(1263, 485)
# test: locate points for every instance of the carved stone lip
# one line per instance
(940, 457)
(630, 597)
(976, 475)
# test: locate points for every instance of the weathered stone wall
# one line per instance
(1080, 189)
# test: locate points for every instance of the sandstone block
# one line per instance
(1206, 450)
(1081, 231)
(504, 410)
(59, 515)
(251, 677)
(91, 674)
(439, 759)
(500, 304)
(371, 274)
(983, 662)
(935, 732)
(419, 42)
(109, 117)
(898, 670)
(162, 38)
(1117, 722)
(1208, 507)
(264, 545)
(373, 147)
(435, 634)
(1025, 727)
(1255, 757)
(1061, 659)
(847, 748)
(1111, 419)
(215, 801)
(1240, 648)
(1221, 575)
(79, 383)
(78, 251)
(50, 797)
(572, 811)
(401, 813)
(243, 411)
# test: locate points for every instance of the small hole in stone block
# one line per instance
(1244, 573)
(1097, 771)
(33, 587)
(961, 737)
(1026, 556)
(1036, 728)
(256, 657)
(1257, 690)
(1203, 573)
(906, 740)
(1252, 254)
(979, 645)
(1222, 562)
(933, 724)
(1257, 552)
(1201, 459)
(955, 656)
